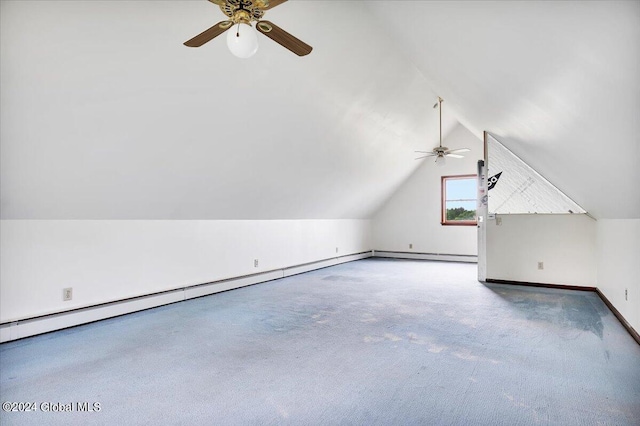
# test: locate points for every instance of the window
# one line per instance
(459, 200)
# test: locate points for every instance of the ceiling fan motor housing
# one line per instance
(246, 12)
(243, 11)
(440, 150)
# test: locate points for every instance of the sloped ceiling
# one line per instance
(105, 115)
(558, 83)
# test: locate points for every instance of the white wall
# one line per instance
(108, 260)
(565, 243)
(618, 260)
(412, 214)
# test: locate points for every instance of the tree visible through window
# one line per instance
(459, 200)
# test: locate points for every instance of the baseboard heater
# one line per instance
(43, 324)
(426, 256)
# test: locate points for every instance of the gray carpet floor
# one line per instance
(370, 342)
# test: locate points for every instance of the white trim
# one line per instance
(69, 319)
(299, 269)
(230, 284)
(427, 256)
(483, 217)
(33, 326)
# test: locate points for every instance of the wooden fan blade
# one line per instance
(454, 155)
(208, 35)
(456, 151)
(283, 38)
(272, 4)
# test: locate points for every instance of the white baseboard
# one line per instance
(82, 316)
(426, 256)
(300, 269)
(230, 284)
(44, 324)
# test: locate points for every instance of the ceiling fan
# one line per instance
(440, 152)
(243, 41)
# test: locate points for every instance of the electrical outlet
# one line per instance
(336, 249)
(498, 220)
(540, 265)
(626, 294)
(255, 263)
(67, 294)
(410, 246)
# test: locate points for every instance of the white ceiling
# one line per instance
(105, 115)
(556, 82)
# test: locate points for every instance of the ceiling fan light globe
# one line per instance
(242, 40)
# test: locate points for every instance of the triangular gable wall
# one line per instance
(514, 187)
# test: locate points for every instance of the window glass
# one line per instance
(459, 200)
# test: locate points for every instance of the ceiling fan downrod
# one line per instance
(440, 151)
(440, 108)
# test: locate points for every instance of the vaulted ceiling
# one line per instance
(106, 115)
(557, 82)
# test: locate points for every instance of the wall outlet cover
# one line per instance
(67, 294)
